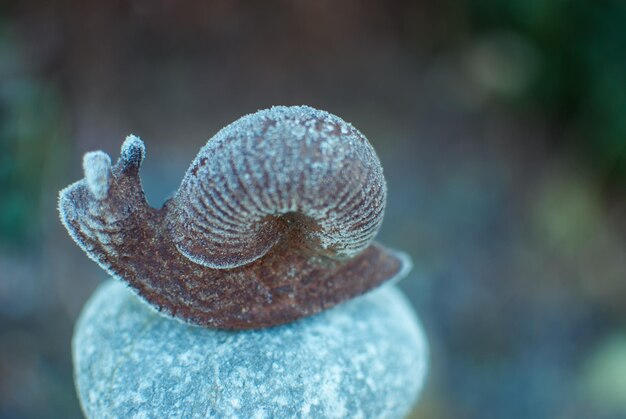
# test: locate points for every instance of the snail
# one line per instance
(273, 221)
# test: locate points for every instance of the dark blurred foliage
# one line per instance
(582, 82)
(501, 126)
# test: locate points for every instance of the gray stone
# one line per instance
(365, 358)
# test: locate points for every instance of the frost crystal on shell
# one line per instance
(274, 220)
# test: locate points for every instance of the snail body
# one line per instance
(273, 221)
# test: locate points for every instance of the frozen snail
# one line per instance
(274, 221)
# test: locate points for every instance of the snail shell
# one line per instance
(273, 221)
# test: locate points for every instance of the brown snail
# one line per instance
(274, 220)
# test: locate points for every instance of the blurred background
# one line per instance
(501, 125)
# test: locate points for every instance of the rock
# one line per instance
(365, 358)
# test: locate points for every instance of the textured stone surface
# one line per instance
(365, 358)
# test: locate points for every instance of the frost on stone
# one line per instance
(274, 220)
(366, 358)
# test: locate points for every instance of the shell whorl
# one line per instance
(273, 163)
(273, 221)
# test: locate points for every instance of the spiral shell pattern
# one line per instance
(273, 221)
(275, 162)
